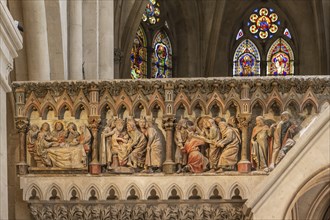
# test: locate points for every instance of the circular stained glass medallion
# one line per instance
(152, 12)
(263, 23)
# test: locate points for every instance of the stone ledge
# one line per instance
(142, 185)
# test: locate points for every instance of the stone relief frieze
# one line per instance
(118, 126)
(59, 147)
(135, 211)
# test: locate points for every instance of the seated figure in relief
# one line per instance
(72, 135)
(229, 144)
(59, 134)
(196, 161)
(259, 145)
(137, 146)
(43, 142)
(153, 161)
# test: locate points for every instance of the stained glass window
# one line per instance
(161, 56)
(239, 34)
(263, 23)
(287, 33)
(152, 12)
(280, 59)
(139, 55)
(246, 59)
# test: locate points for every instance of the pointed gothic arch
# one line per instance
(246, 59)
(280, 59)
(151, 53)
(139, 55)
(161, 56)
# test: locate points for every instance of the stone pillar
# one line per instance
(106, 39)
(91, 39)
(35, 31)
(169, 165)
(10, 42)
(22, 125)
(168, 122)
(118, 56)
(244, 118)
(75, 40)
(94, 122)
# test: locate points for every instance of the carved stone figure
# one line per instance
(196, 162)
(154, 146)
(210, 134)
(229, 144)
(59, 134)
(282, 131)
(44, 141)
(72, 134)
(180, 138)
(61, 148)
(106, 141)
(115, 151)
(259, 145)
(137, 146)
(31, 139)
(67, 152)
(85, 138)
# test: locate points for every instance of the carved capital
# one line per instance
(21, 124)
(168, 123)
(94, 123)
(244, 120)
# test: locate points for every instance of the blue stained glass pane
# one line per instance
(248, 23)
(246, 59)
(270, 36)
(278, 22)
(256, 10)
(271, 10)
(256, 36)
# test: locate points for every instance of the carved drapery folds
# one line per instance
(97, 123)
